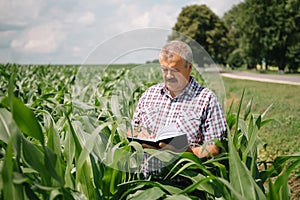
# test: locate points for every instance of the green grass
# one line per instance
(282, 136)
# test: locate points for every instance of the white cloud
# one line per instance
(87, 19)
(131, 16)
(45, 38)
(220, 7)
(67, 30)
(141, 20)
(19, 12)
(5, 37)
(164, 15)
(76, 49)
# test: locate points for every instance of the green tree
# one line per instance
(205, 27)
(267, 31)
(237, 57)
(293, 49)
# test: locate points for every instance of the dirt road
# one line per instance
(272, 78)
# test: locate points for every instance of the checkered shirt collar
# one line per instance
(188, 90)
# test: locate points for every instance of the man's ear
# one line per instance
(190, 66)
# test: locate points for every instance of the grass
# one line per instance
(281, 136)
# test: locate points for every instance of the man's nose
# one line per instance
(170, 73)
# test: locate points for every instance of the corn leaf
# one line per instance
(35, 158)
(6, 125)
(278, 166)
(9, 189)
(26, 120)
(151, 193)
(240, 177)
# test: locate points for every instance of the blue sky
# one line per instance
(66, 31)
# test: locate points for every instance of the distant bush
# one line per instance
(235, 59)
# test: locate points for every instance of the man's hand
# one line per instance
(148, 146)
(207, 151)
(170, 147)
(163, 146)
(201, 151)
(141, 133)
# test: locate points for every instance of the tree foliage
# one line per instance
(205, 27)
(267, 31)
(252, 32)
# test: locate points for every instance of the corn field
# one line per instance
(62, 136)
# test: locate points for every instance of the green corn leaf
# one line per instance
(264, 122)
(97, 172)
(53, 141)
(240, 177)
(248, 109)
(278, 166)
(282, 187)
(231, 120)
(26, 121)
(238, 112)
(230, 108)
(53, 163)
(252, 136)
(281, 184)
(7, 125)
(272, 194)
(9, 191)
(54, 194)
(266, 111)
(200, 182)
(178, 197)
(78, 147)
(85, 182)
(234, 194)
(258, 122)
(89, 145)
(23, 116)
(151, 193)
(35, 158)
(53, 150)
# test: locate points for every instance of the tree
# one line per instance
(205, 27)
(268, 31)
(237, 58)
(293, 49)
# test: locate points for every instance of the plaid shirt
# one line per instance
(196, 112)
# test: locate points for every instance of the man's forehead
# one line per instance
(170, 56)
(171, 62)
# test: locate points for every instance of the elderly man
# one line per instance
(181, 102)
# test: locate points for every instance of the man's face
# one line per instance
(175, 73)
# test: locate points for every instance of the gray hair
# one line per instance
(180, 48)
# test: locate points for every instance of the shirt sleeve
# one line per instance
(215, 123)
(136, 120)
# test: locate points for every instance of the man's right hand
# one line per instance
(140, 133)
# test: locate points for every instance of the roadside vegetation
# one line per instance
(281, 136)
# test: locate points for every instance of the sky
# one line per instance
(68, 31)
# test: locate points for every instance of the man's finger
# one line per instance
(167, 146)
(148, 146)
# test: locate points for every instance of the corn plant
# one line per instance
(51, 147)
(234, 174)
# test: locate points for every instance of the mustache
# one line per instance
(172, 80)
